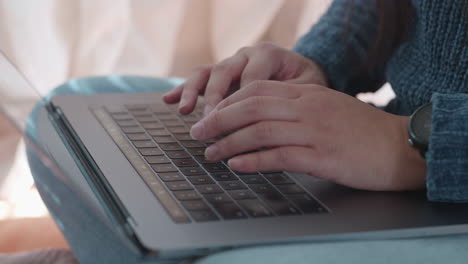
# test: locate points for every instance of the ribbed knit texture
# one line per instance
(431, 63)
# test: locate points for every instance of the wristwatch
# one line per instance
(419, 128)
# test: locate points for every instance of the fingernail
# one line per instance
(211, 152)
(207, 109)
(182, 103)
(196, 131)
(235, 162)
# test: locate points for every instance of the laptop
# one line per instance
(131, 156)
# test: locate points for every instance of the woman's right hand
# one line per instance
(264, 61)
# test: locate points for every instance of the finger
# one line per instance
(243, 113)
(288, 158)
(222, 75)
(309, 78)
(256, 136)
(193, 87)
(173, 96)
(259, 67)
(261, 88)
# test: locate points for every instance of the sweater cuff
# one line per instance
(447, 157)
(339, 42)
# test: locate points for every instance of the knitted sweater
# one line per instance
(432, 64)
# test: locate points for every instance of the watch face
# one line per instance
(421, 124)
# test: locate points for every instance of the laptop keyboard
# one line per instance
(157, 142)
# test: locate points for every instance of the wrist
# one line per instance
(411, 164)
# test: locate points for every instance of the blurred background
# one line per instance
(52, 41)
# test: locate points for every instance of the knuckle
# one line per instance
(202, 69)
(254, 105)
(221, 67)
(283, 157)
(244, 50)
(215, 122)
(263, 131)
(256, 85)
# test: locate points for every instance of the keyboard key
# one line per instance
(150, 151)
(171, 176)
(241, 194)
(173, 123)
(152, 125)
(171, 146)
(283, 208)
(192, 144)
(132, 130)
(122, 116)
(253, 179)
(140, 112)
(224, 176)
(126, 123)
(164, 168)
(254, 208)
(232, 185)
(189, 162)
(190, 124)
(167, 117)
(187, 195)
(195, 205)
(158, 132)
(209, 188)
(179, 186)
(290, 189)
(217, 198)
(179, 129)
(262, 188)
(138, 136)
(215, 167)
(192, 171)
(183, 136)
(202, 159)
(157, 159)
(178, 154)
(274, 196)
(144, 144)
(278, 178)
(164, 139)
(203, 215)
(116, 110)
(230, 211)
(197, 180)
(306, 203)
(197, 151)
(279, 204)
(190, 118)
(146, 118)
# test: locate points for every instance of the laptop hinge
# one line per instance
(93, 175)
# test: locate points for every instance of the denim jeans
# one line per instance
(95, 241)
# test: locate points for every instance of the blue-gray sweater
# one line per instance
(432, 64)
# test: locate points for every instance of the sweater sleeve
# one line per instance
(447, 158)
(339, 43)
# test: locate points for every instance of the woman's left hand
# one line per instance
(315, 130)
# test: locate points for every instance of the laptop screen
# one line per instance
(17, 95)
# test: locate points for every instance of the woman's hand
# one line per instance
(264, 61)
(315, 130)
